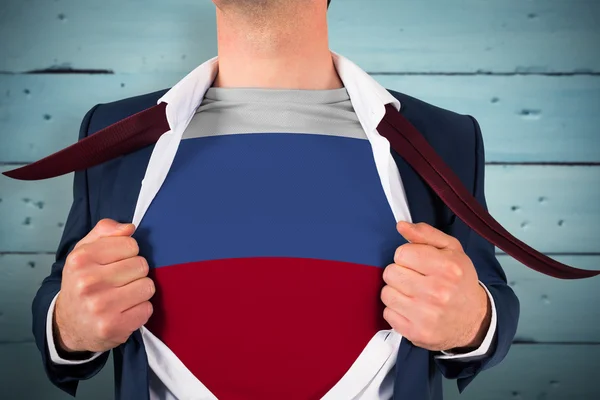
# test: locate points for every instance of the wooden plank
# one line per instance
(33, 213)
(40, 114)
(380, 35)
(22, 377)
(20, 277)
(529, 372)
(552, 208)
(537, 372)
(552, 310)
(523, 119)
(556, 310)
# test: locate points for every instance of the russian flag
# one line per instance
(267, 251)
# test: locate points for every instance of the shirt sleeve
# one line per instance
(487, 341)
(54, 356)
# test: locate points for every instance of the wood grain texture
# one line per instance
(552, 310)
(554, 209)
(380, 35)
(23, 378)
(537, 372)
(555, 310)
(20, 277)
(529, 372)
(529, 71)
(523, 118)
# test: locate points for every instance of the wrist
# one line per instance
(481, 325)
(483, 321)
(64, 346)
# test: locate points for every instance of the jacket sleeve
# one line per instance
(491, 274)
(66, 377)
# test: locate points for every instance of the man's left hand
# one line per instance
(433, 296)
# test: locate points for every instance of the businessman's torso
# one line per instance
(233, 238)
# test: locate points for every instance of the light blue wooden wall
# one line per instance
(529, 71)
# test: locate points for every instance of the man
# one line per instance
(271, 252)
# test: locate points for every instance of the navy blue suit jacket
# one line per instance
(110, 190)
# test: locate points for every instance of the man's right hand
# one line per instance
(104, 292)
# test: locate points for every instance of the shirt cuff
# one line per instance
(487, 341)
(56, 359)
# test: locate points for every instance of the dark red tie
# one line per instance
(144, 128)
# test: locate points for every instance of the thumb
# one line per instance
(423, 233)
(408, 231)
(107, 227)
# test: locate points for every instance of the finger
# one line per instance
(423, 233)
(132, 294)
(125, 271)
(399, 302)
(136, 316)
(421, 258)
(404, 280)
(398, 322)
(108, 250)
(106, 227)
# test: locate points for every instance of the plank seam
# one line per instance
(62, 70)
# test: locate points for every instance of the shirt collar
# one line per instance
(367, 96)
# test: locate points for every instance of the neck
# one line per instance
(284, 47)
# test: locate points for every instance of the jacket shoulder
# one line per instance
(434, 122)
(106, 114)
(454, 136)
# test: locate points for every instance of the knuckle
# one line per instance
(143, 313)
(388, 315)
(389, 297)
(144, 268)
(406, 250)
(77, 257)
(421, 226)
(385, 295)
(388, 273)
(104, 329)
(456, 242)
(132, 244)
(148, 310)
(83, 285)
(453, 269)
(148, 288)
(104, 223)
(442, 295)
(399, 253)
(95, 306)
(457, 271)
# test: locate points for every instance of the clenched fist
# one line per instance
(433, 295)
(104, 292)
